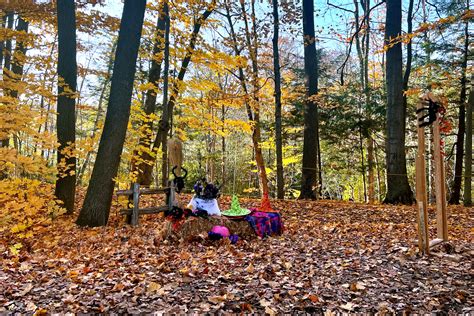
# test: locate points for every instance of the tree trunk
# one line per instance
(14, 77)
(278, 129)
(166, 75)
(14, 63)
(143, 159)
(95, 129)
(311, 121)
(96, 207)
(18, 61)
(398, 188)
(223, 148)
(145, 176)
(7, 53)
(370, 140)
(2, 43)
(370, 165)
(468, 156)
(256, 133)
(164, 163)
(457, 181)
(66, 104)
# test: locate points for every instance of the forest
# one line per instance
(218, 156)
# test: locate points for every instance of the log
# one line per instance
(146, 210)
(142, 191)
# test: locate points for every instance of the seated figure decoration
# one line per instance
(205, 198)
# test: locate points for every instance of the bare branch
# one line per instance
(338, 7)
(341, 68)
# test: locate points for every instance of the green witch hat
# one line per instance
(235, 209)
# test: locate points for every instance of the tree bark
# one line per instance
(95, 129)
(143, 157)
(145, 176)
(468, 156)
(455, 195)
(367, 91)
(17, 60)
(311, 121)
(65, 189)
(166, 75)
(96, 207)
(6, 55)
(370, 165)
(2, 43)
(223, 148)
(13, 77)
(8, 44)
(256, 133)
(398, 188)
(278, 128)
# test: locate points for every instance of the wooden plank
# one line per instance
(146, 210)
(171, 195)
(435, 242)
(440, 184)
(421, 197)
(144, 191)
(136, 200)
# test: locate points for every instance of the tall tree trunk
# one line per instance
(145, 175)
(223, 148)
(455, 195)
(142, 159)
(7, 53)
(256, 133)
(17, 59)
(166, 75)
(278, 129)
(359, 48)
(14, 65)
(2, 42)
(398, 190)
(311, 119)
(96, 207)
(370, 164)
(370, 140)
(13, 77)
(95, 128)
(65, 189)
(468, 156)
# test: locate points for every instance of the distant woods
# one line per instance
(290, 98)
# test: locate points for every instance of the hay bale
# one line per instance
(194, 226)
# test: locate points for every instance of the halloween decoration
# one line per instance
(178, 181)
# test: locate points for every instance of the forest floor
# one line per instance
(333, 257)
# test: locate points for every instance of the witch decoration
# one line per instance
(205, 197)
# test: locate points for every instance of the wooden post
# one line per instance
(440, 184)
(171, 195)
(136, 199)
(421, 198)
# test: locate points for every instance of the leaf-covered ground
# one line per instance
(333, 257)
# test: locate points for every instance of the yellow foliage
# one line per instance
(25, 204)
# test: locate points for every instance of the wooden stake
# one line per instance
(440, 184)
(422, 218)
(136, 200)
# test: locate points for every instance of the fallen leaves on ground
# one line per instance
(333, 257)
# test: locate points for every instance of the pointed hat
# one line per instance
(235, 208)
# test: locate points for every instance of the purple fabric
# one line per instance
(233, 239)
(265, 224)
(214, 236)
